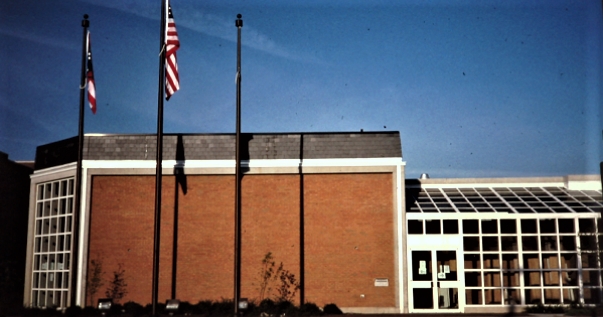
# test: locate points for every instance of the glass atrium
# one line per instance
(497, 246)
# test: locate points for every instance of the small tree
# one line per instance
(117, 286)
(288, 287)
(267, 275)
(270, 274)
(95, 279)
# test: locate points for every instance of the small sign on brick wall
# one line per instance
(381, 282)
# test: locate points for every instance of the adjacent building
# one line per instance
(335, 209)
(14, 197)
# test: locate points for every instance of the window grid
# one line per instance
(52, 244)
(547, 274)
(541, 260)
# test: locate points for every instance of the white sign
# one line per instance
(446, 268)
(381, 282)
(441, 275)
(422, 268)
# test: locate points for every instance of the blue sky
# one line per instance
(476, 88)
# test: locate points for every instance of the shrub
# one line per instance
(187, 308)
(309, 309)
(73, 311)
(286, 308)
(133, 308)
(148, 309)
(203, 307)
(225, 307)
(332, 309)
(267, 306)
(541, 309)
(206, 308)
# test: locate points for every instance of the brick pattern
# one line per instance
(348, 238)
(121, 231)
(270, 223)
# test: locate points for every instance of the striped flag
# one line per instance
(172, 44)
(90, 77)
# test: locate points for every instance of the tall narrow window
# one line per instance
(52, 244)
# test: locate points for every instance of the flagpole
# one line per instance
(159, 159)
(78, 170)
(237, 255)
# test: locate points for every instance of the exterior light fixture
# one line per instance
(172, 306)
(243, 304)
(104, 305)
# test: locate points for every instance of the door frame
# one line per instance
(434, 244)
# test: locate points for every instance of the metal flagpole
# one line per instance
(78, 172)
(159, 159)
(237, 249)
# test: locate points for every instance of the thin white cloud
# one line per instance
(39, 39)
(33, 119)
(210, 24)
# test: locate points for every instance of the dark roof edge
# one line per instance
(270, 145)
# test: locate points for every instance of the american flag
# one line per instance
(90, 78)
(172, 44)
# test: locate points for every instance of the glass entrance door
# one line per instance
(434, 281)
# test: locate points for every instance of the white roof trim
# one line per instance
(493, 185)
(246, 163)
(54, 169)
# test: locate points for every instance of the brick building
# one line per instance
(327, 206)
(334, 208)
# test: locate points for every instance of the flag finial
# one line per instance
(85, 22)
(239, 22)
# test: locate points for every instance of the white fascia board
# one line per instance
(253, 163)
(583, 185)
(53, 170)
(119, 164)
(491, 185)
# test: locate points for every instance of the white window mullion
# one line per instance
(50, 236)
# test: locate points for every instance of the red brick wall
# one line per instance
(348, 221)
(349, 239)
(121, 231)
(270, 223)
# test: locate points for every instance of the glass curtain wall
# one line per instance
(52, 244)
(522, 245)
